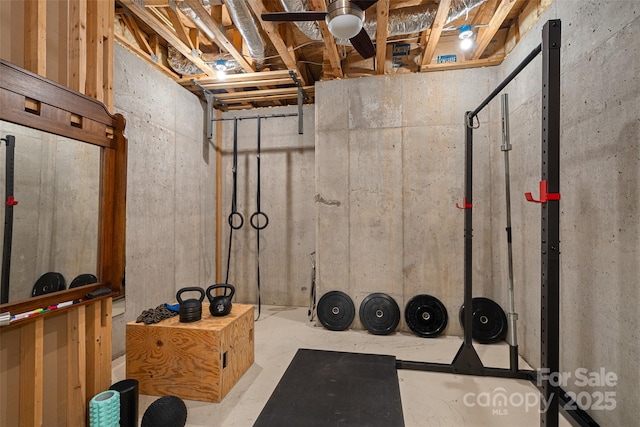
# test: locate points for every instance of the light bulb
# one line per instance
(466, 44)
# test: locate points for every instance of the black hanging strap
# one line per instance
(234, 195)
(9, 203)
(255, 218)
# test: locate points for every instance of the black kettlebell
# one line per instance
(191, 309)
(221, 304)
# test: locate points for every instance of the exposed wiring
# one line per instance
(312, 63)
(295, 48)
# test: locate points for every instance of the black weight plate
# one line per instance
(426, 316)
(489, 321)
(336, 311)
(82, 280)
(379, 314)
(48, 283)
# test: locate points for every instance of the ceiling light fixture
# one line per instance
(466, 37)
(465, 32)
(221, 68)
(344, 19)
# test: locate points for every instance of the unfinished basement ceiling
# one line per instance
(267, 62)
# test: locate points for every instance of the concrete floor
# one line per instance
(428, 399)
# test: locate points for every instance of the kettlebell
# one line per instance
(221, 304)
(191, 309)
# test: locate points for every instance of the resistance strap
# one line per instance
(234, 216)
(255, 218)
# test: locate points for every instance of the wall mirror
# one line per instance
(68, 168)
(54, 226)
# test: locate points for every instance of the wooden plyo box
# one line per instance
(197, 361)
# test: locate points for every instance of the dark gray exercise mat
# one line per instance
(328, 388)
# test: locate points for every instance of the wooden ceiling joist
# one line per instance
(272, 32)
(220, 37)
(137, 34)
(178, 26)
(157, 65)
(264, 76)
(486, 34)
(436, 30)
(382, 33)
(256, 95)
(237, 85)
(167, 34)
(473, 63)
(331, 50)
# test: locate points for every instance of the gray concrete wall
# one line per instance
(389, 167)
(170, 189)
(600, 177)
(287, 180)
(389, 171)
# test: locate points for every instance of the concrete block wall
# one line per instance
(170, 189)
(389, 171)
(600, 188)
(287, 180)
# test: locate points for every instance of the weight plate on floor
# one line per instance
(426, 316)
(48, 283)
(489, 321)
(379, 314)
(336, 311)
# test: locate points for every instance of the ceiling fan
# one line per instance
(344, 18)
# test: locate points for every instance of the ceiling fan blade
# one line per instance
(363, 44)
(364, 4)
(293, 16)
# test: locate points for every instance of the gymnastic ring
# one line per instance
(231, 216)
(256, 226)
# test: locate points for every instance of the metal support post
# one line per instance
(467, 360)
(550, 220)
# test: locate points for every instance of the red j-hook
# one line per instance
(465, 205)
(11, 201)
(544, 196)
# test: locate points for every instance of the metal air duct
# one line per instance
(401, 21)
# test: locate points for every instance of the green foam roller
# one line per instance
(104, 409)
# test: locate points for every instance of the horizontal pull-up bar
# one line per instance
(255, 117)
(506, 81)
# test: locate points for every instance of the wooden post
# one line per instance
(77, 45)
(76, 366)
(35, 36)
(31, 372)
(95, 49)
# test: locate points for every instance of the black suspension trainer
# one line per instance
(254, 220)
(234, 195)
